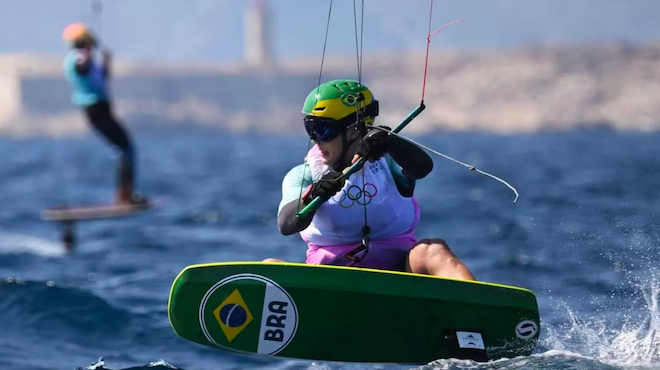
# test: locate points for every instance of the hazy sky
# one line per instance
(183, 30)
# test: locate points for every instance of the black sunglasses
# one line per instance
(323, 130)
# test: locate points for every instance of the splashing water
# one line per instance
(636, 343)
(641, 344)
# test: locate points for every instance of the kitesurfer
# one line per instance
(367, 220)
(89, 80)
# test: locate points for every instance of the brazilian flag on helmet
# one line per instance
(332, 107)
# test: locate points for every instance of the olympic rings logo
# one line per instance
(355, 194)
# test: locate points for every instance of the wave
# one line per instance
(46, 310)
(11, 243)
(155, 365)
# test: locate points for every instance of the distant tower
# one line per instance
(257, 34)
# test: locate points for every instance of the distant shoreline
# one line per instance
(527, 90)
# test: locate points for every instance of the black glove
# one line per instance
(327, 186)
(374, 144)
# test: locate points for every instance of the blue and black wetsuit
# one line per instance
(89, 82)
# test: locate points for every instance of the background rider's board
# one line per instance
(93, 212)
(67, 217)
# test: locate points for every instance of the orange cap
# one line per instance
(75, 32)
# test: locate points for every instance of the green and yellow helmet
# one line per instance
(331, 108)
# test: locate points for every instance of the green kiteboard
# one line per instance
(332, 313)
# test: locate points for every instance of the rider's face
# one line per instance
(332, 150)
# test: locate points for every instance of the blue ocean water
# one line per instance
(583, 236)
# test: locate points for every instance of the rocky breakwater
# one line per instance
(539, 88)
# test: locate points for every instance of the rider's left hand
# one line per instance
(373, 145)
